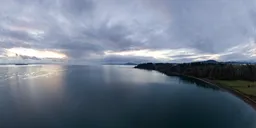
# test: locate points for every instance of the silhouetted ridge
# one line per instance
(210, 61)
(148, 66)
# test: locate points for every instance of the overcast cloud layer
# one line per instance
(96, 31)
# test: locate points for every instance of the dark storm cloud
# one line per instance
(114, 36)
(85, 29)
(18, 35)
(78, 7)
(212, 26)
(29, 58)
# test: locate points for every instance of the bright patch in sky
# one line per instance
(143, 53)
(35, 53)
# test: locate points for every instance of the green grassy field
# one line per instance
(241, 86)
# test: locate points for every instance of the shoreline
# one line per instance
(232, 91)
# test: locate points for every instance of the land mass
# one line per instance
(129, 63)
(239, 79)
(20, 64)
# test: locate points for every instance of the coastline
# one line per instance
(235, 92)
(232, 91)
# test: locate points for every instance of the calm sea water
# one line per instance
(115, 97)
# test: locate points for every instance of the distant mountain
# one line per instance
(130, 64)
(240, 62)
(207, 62)
(227, 62)
(20, 64)
(210, 61)
(120, 63)
(203, 62)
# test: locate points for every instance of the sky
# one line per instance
(120, 31)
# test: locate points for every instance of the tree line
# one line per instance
(219, 71)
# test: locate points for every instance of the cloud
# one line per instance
(84, 30)
(32, 53)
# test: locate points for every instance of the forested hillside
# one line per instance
(219, 71)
